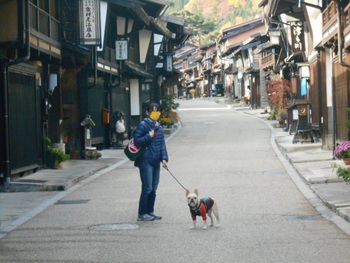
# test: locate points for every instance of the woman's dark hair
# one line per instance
(153, 107)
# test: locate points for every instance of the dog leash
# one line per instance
(166, 168)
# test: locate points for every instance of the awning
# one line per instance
(128, 4)
(231, 48)
(252, 71)
(162, 28)
(142, 15)
(255, 37)
(189, 69)
(236, 52)
(207, 58)
(137, 70)
(264, 46)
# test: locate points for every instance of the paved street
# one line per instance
(228, 156)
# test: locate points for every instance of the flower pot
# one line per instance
(54, 157)
(58, 165)
(74, 155)
(346, 161)
(50, 161)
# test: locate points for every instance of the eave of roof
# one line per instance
(137, 69)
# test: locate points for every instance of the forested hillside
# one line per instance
(208, 17)
(178, 5)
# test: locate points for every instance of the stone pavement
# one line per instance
(311, 171)
(31, 194)
(312, 164)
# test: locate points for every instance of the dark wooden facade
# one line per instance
(45, 40)
(341, 100)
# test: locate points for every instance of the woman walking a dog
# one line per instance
(150, 132)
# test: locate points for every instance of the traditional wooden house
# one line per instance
(197, 67)
(182, 63)
(288, 25)
(334, 67)
(188, 62)
(122, 74)
(65, 60)
(171, 84)
(317, 63)
(256, 74)
(210, 58)
(241, 70)
(30, 56)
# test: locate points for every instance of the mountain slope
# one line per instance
(225, 11)
(208, 17)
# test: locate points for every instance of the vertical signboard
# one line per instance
(90, 29)
(297, 34)
(169, 63)
(121, 50)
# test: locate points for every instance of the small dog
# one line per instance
(202, 207)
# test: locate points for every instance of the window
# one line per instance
(145, 87)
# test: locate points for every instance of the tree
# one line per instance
(278, 89)
(208, 17)
(178, 5)
(206, 29)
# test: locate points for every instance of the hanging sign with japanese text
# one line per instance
(169, 63)
(89, 13)
(297, 34)
(121, 50)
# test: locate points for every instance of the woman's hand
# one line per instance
(164, 163)
(151, 133)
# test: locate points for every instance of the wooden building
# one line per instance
(63, 60)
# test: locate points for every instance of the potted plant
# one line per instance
(168, 103)
(55, 157)
(342, 171)
(65, 137)
(74, 153)
(47, 142)
(165, 121)
(342, 152)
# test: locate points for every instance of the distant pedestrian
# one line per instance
(150, 132)
(120, 129)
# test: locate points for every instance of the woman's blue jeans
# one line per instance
(149, 179)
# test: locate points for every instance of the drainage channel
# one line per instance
(72, 202)
(302, 217)
(114, 227)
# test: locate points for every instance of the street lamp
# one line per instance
(304, 70)
(275, 36)
(124, 25)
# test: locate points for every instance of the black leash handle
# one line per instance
(166, 168)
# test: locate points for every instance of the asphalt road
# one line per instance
(227, 155)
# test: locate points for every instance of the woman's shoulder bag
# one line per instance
(134, 151)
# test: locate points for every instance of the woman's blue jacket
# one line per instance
(156, 150)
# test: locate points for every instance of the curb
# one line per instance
(337, 211)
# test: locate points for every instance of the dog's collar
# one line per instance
(196, 208)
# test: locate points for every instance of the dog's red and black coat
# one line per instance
(204, 205)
